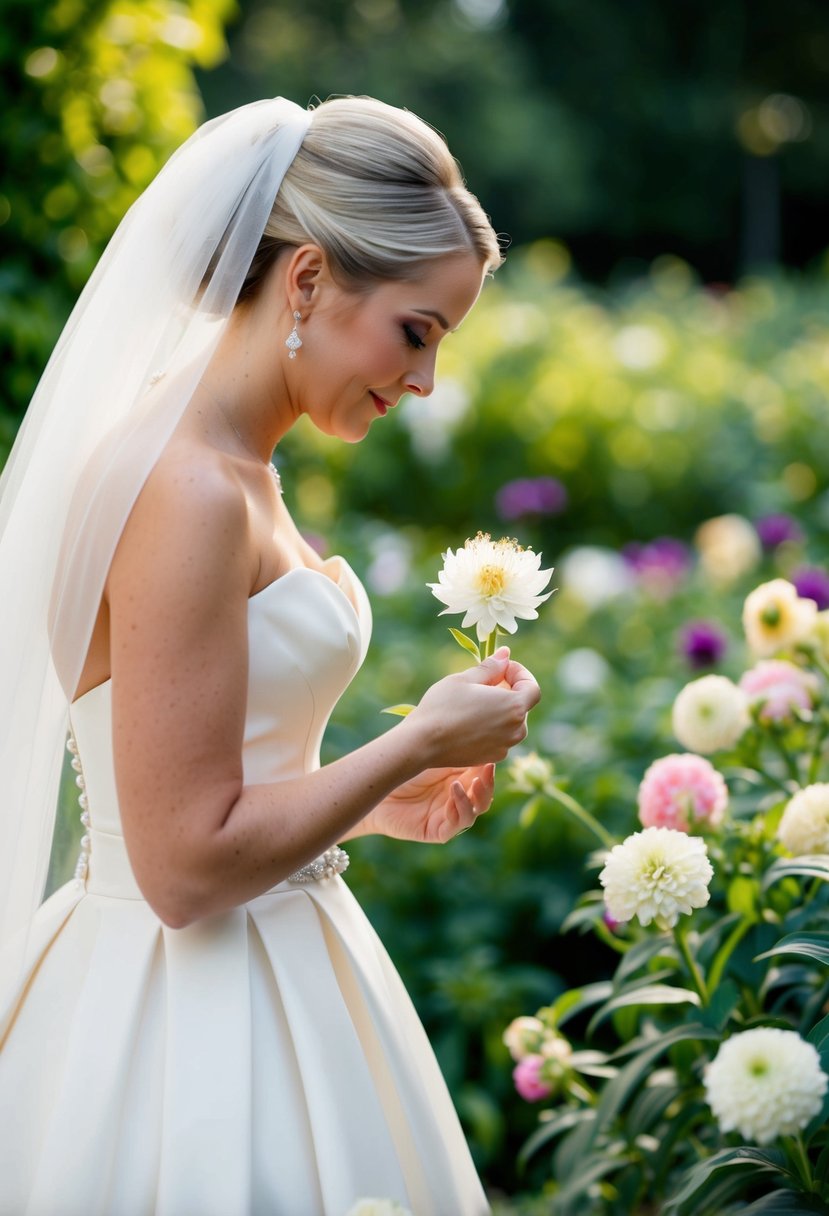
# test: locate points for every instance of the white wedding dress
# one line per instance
(264, 1062)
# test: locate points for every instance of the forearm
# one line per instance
(272, 830)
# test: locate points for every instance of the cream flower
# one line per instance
(804, 828)
(774, 617)
(655, 875)
(493, 583)
(765, 1083)
(523, 1037)
(728, 548)
(529, 773)
(377, 1207)
(710, 714)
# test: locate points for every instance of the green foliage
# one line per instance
(755, 954)
(95, 97)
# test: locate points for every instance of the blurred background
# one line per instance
(652, 356)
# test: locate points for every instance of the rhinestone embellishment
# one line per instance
(332, 862)
(82, 864)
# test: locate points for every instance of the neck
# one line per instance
(249, 391)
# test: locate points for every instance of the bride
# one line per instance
(203, 1023)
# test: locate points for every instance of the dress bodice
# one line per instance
(307, 635)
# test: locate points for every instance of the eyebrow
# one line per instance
(428, 312)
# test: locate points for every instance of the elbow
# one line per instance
(177, 902)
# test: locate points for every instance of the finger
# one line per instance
(524, 683)
(480, 795)
(465, 806)
(490, 671)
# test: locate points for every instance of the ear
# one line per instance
(306, 272)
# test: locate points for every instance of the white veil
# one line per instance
(117, 383)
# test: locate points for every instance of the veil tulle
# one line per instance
(118, 381)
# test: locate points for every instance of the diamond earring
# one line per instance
(293, 340)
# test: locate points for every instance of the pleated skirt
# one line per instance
(263, 1062)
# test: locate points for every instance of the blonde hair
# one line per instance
(378, 190)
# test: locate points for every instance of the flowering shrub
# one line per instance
(701, 1088)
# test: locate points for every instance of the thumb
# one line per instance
(491, 670)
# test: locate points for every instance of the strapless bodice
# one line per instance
(308, 633)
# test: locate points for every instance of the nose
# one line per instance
(422, 381)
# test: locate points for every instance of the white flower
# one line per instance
(728, 547)
(775, 617)
(595, 575)
(709, 714)
(804, 828)
(523, 1037)
(765, 1083)
(493, 583)
(529, 773)
(377, 1207)
(656, 874)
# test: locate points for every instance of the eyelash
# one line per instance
(412, 338)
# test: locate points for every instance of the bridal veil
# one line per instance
(115, 387)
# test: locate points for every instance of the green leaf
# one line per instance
(400, 711)
(576, 999)
(647, 994)
(617, 1091)
(810, 945)
(699, 1179)
(550, 1128)
(722, 1004)
(466, 643)
(642, 953)
(529, 811)
(784, 1203)
(797, 867)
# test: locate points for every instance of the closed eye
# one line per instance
(413, 338)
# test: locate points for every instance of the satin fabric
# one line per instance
(263, 1062)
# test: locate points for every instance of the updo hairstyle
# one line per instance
(378, 190)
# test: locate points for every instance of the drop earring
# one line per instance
(293, 340)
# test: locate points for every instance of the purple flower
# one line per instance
(530, 496)
(660, 564)
(775, 530)
(812, 583)
(703, 644)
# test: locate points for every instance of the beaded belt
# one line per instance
(333, 861)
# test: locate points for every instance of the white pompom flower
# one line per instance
(494, 583)
(523, 1037)
(656, 875)
(710, 714)
(804, 827)
(765, 1083)
(776, 618)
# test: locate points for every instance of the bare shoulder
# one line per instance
(189, 527)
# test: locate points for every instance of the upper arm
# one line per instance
(178, 590)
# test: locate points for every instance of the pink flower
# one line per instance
(527, 1078)
(779, 688)
(682, 792)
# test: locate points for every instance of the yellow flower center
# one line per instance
(491, 580)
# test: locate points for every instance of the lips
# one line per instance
(381, 405)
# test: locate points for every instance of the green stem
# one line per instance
(490, 644)
(801, 1160)
(726, 950)
(691, 963)
(579, 812)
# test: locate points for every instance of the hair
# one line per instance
(378, 190)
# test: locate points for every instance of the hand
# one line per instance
(474, 718)
(434, 806)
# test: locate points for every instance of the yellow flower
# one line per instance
(775, 618)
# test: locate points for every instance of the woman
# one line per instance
(203, 1022)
